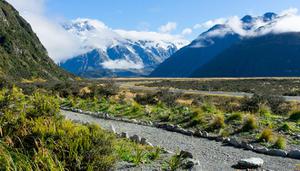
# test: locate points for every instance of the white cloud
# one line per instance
(187, 31)
(152, 36)
(167, 28)
(210, 23)
(122, 64)
(59, 43)
(287, 21)
(290, 11)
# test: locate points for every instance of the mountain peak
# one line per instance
(269, 16)
(84, 24)
(247, 19)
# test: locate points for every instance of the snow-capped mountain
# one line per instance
(110, 52)
(221, 37)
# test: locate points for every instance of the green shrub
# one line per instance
(217, 123)
(266, 135)
(250, 123)
(174, 163)
(280, 143)
(225, 133)
(146, 99)
(196, 117)
(277, 104)
(264, 111)
(251, 104)
(209, 108)
(235, 117)
(285, 127)
(295, 116)
(168, 97)
(43, 105)
(34, 137)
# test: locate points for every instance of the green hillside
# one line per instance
(21, 53)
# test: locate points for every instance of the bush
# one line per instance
(280, 143)
(43, 105)
(33, 137)
(209, 108)
(295, 116)
(264, 111)
(146, 99)
(252, 104)
(235, 117)
(285, 127)
(266, 135)
(107, 89)
(250, 123)
(168, 97)
(217, 123)
(198, 101)
(277, 104)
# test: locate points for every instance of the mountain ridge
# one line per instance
(217, 38)
(117, 52)
(21, 53)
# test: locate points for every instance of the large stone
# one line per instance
(124, 135)
(143, 141)
(205, 134)
(186, 154)
(135, 138)
(262, 150)
(277, 152)
(198, 133)
(250, 163)
(294, 154)
(190, 163)
(246, 146)
(234, 142)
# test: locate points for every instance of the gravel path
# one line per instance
(213, 156)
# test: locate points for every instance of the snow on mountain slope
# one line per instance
(220, 37)
(118, 52)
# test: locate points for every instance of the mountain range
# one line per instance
(117, 52)
(187, 61)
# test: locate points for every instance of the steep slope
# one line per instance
(263, 56)
(191, 57)
(21, 53)
(117, 52)
(209, 44)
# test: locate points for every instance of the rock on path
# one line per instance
(213, 156)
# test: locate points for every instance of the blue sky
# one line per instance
(151, 14)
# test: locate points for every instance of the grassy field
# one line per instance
(275, 86)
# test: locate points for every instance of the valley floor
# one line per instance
(213, 156)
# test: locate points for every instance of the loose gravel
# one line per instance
(213, 156)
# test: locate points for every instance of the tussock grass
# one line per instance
(266, 135)
(250, 123)
(33, 136)
(280, 143)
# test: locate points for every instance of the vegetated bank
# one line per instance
(34, 136)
